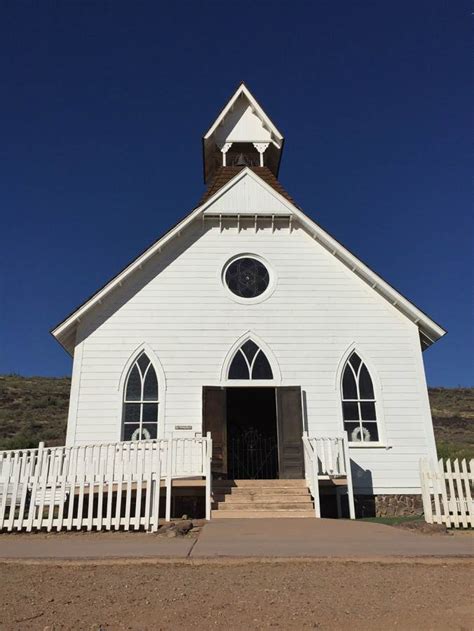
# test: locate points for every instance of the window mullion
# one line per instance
(142, 395)
(356, 378)
(360, 420)
(247, 362)
(253, 362)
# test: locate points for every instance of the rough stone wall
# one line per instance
(388, 505)
(398, 505)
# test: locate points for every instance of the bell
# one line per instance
(241, 161)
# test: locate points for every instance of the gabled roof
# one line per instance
(430, 331)
(225, 174)
(243, 90)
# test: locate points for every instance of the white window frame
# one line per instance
(224, 380)
(122, 384)
(378, 420)
(142, 401)
(265, 295)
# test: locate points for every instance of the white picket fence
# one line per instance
(327, 458)
(447, 491)
(104, 486)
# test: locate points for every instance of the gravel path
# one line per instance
(238, 595)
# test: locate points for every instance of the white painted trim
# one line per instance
(377, 384)
(160, 373)
(272, 282)
(242, 89)
(74, 395)
(250, 383)
(425, 404)
(412, 312)
(354, 346)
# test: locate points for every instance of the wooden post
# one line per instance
(467, 476)
(453, 501)
(350, 488)
(207, 464)
(426, 491)
(155, 502)
(169, 453)
(460, 494)
(13, 488)
(441, 478)
(317, 504)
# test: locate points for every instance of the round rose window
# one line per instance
(247, 277)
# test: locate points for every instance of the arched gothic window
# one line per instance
(140, 403)
(250, 362)
(358, 402)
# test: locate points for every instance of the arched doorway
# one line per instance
(255, 424)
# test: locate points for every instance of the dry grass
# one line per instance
(33, 409)
(453, 419)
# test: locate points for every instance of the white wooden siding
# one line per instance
(248, 196)
(319, 309)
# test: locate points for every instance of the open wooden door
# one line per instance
(290, 432)
(214, 413)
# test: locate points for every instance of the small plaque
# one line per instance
(183, 427)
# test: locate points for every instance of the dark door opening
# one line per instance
(252, 440)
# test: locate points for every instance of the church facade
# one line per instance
(249, 321)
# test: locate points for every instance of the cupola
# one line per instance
(242, 135)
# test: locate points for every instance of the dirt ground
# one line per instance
(432, 594)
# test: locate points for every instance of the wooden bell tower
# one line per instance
(242, 135)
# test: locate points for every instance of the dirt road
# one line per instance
(238, 595)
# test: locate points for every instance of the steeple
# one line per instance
(242, 135)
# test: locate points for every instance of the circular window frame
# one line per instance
(265, 294)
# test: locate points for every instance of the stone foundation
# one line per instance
(388, 505)
(398, 505)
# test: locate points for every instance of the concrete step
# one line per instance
(261, 497)
(253, 514)
(257, 483)
(224, 506)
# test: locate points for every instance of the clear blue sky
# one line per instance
(102, 109)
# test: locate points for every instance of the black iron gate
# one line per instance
(252, 455)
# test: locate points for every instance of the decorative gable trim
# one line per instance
(243, 90)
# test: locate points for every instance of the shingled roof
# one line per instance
(225, 174)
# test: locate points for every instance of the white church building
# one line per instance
(247, 323)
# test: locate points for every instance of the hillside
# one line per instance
(452, 410)
(35, 408)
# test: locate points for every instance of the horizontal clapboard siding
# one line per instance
(176, 304)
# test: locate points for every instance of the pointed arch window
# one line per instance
(358, 402)
(141, 401)
(250, 362)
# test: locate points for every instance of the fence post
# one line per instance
(350, 488)
(441, 477)
(155, 500)
(426, 491)
(169, 464)
(467, 475)
(452, 501)
(317, 504)
(462, 500)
